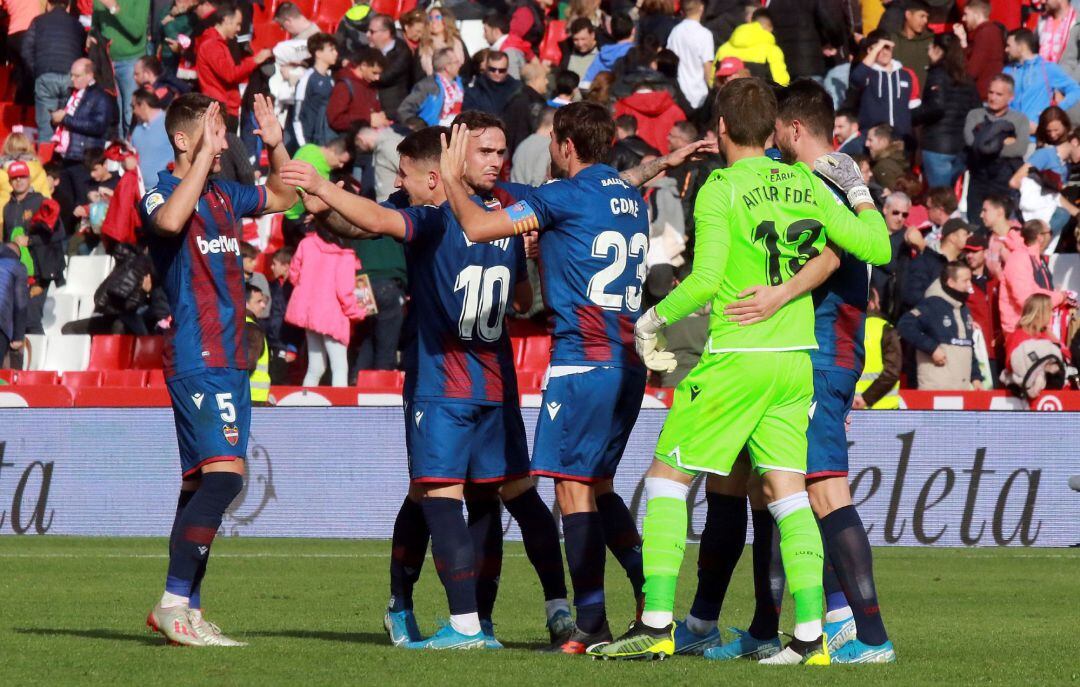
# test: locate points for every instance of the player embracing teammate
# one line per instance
(193, 225)
(758, 222)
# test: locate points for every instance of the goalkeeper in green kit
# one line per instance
(758, 222)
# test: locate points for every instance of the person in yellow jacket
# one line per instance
(17, 146)
(258, 351)
(754, 44)
(879, 385)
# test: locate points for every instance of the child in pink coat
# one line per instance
(323, 303)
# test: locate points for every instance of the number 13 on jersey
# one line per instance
(613, 246)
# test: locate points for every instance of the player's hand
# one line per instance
(532, 245)
(702, 147)
(269, 127)
(845, 174)
(316, 205)
(452, 161)
(939, 357)
(858, 403)
(211, 139)
(755, 304)
(16, 345)
(650, 343)
(304, 177)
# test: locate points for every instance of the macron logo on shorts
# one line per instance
(553, 409)
(220, 245)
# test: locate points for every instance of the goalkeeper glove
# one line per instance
(844, 173)
(650, 343)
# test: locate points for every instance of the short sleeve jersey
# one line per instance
(459, 293)
(840, 311)
(202, 274)
(594, 238)
(771, 219)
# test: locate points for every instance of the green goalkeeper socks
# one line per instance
(663, 545)
(803, 557)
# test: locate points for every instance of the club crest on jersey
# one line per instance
(232, 434)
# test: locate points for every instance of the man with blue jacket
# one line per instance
(1036, 79)
(14, 300)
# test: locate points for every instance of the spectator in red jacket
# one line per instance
(983, 299)
(984, 44)
(354, 100)
(656, 112)
(219, 75)
(527, 21)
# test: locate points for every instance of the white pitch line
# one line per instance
(8, 554)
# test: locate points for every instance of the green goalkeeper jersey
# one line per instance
(757, 223)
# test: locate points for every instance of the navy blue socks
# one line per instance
(452, 550)
(541, 539)
(485, 526)
(722, 543)
(195, 529)
(769, 576)
(849, 549)
(585, 557)
(408, 548)
(621, 536)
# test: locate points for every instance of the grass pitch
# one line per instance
(72, 612)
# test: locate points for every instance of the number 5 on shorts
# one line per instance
(225, 405)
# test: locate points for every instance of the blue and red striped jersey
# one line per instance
(459, 294)
(202, 274)
(593, 241)
(840, 312)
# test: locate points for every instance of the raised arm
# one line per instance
(279, 195)
(478, 224)
(361, 214)
(864, 236)
(640, 175)
(175, 212)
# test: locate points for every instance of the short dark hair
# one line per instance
(916, 6)
(942, 197)
(589, 126)
(497, 20)
(287, 10)
(687, 128)
(1031, 231)
(413, 16)
(424, 145)
(627, 122)
(248, 251)
(495, 56)
(566, 81)
(748, 107)
(94, 157)
(848, 114)
(386, 21)
(184, 113)
(807, 101)
(151, 64)
(476, 120)
(146, 97)
(1001, 202)
(223, 10)
(338, 144)
(622, 27)
(249, 289)
(284, 255)
(882, 130)
(667, 63)
(761, 13)
(1027, 37)
(318, 42)
(580, 24)
(369, 56)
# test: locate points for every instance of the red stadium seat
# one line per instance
(5, 375)
(45, 152)
(156, 378)
(266, 35)
(518, 343)
(34, 377)
(148, 352)
(537, 353)
(306, 7)
(380, 381)
(124, 378)
(331, 11)
(395, 8)
(529, 382)
(85, 378)
(111, 352)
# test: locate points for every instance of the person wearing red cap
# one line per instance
(983, 299)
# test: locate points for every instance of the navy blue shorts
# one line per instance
(585, 421)
(826, 437)
(212, 410)
(454, 442)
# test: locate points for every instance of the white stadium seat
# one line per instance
(34, 352)
(67, 352)
(60, 308)
(1066, 271)
(85, 273)
(86, 307)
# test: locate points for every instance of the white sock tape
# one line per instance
(788, 505)
(665, 488)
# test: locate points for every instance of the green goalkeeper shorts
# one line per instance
(757, 399)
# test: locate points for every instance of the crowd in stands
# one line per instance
(960, 114)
